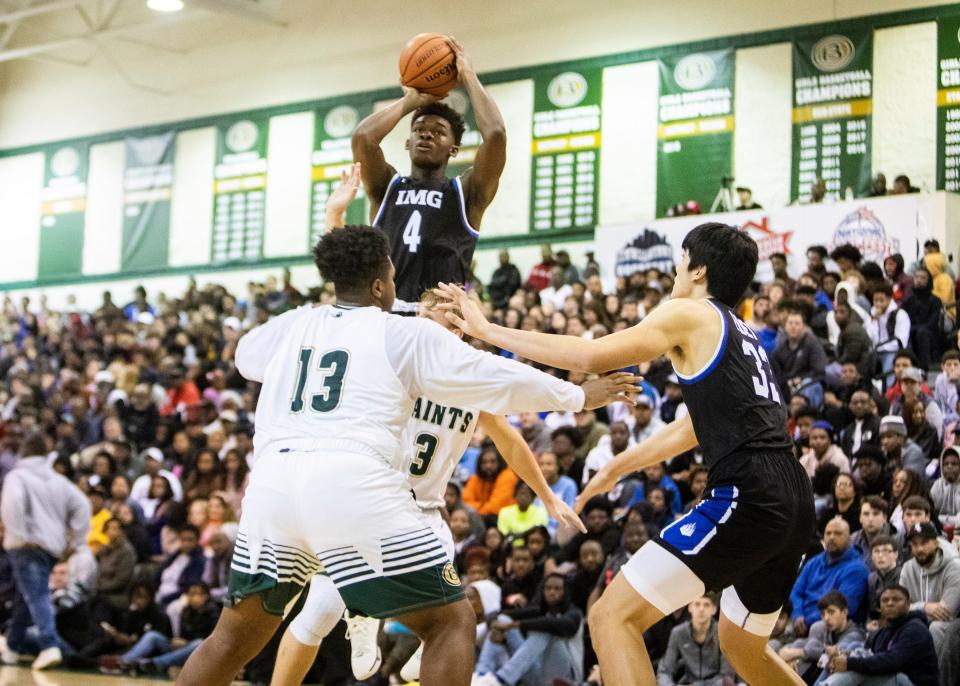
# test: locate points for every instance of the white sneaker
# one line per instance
(485, 680)
(411, 670)
(7, 656)
(51, 657)
(364, 652)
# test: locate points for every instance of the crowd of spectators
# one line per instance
(144, 414)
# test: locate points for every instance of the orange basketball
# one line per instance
(428, 64)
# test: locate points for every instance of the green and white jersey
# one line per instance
(437, 437)
(346, 379)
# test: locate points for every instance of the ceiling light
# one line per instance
(165, 5)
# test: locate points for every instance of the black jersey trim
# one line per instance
(383, 203)
(463, 208)
(717, 354)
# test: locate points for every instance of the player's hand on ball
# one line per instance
(602, 482)
(473, 323)
(343, 195)
(616, 387)
(414, 99)
(564, 516)
(464, 63)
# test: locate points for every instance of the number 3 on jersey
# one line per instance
(426, 446)
(332, 368)
(763, 384)
(411, 232)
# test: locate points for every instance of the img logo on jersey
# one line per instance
(428, 411)
(421, 197)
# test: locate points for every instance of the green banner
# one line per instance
(332, 129)
(147, 190)
(948, 104)
(695, 128)
(566, 149)
(240, 190)
(832, 114)
(62, 212)
(470, 142)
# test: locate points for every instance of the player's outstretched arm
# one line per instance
(520, 459)
(371, 132)
(678, 437)
(482, 180)
(664, 329)
(342, 196)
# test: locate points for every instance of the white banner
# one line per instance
(876, 226)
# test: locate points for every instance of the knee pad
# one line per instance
(322, 610)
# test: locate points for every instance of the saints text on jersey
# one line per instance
(434, 413)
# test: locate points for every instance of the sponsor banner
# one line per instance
(147, 191)
(62, 210)
(832, 114)
(695, 128)
(948, 103)
(876, 226)
(239, 190)
(565, 174)
(332, 154)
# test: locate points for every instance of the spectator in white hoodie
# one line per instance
(45, 518)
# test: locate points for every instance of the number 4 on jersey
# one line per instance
(411, 232)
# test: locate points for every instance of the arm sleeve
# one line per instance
(432, 362)
(257, 346)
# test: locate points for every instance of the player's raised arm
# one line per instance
(342, 196)
(520, 459)
(678, 437)
(370, 133)
(664, 329)
(481, 182)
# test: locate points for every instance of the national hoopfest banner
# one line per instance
(566, 149)
(832, 114)
(695, 128)
(147, 191)
(876, 226)
(948, 104)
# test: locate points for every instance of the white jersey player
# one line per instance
(437, 436)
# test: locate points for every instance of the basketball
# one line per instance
(429, 64)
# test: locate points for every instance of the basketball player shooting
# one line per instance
(432, 222)
(748, 535)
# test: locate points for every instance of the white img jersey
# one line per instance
(437, 437)
(345, 379)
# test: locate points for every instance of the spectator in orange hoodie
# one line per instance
(491, 488)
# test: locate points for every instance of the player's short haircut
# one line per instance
(778, 256)
(846, 251)
(899, 589)
(833, 599)
(444, 111)
(353, 257)
(570, 433)
(805, 290)
(521, 549)
(598, 502)
(522, 484)
(819, 249)
(883, 539)
(729, 255)
(916, 502)
(884, 288)
(950, 355)
(429, 299)
(931, 242)
(907, 354)
(877, 503)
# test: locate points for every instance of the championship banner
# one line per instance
(471, 140)
(876, 226)
(566, 150)
(332, 154)
(948, 104)
(62, 211)
(832, 114)
(147, 191)
(239, 191)
(695, 128)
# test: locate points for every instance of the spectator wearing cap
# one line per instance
(912, 389)
(672, 400)
(45, 518)
(933, 580)
(900, 450)
(644, 421)
(865, 428)
(837, 568)
(901, 652)
(945, 492)
(153, 466)
(822, 450)
(888, 328)
(799, 361)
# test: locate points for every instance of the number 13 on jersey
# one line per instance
(332, 367)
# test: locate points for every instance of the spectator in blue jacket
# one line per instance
(182, 569)
(898, 654)
(838, 568)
